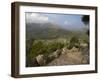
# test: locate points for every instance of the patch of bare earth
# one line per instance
(71, 57)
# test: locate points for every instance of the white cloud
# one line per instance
(66, 22)
(36, 18)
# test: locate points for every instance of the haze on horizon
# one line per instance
(66, 21)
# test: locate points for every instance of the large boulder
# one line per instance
(74, 49)
(45, 59)
(41, 60)
(64, 50)
(56, 53)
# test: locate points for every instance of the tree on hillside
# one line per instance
(85, 20)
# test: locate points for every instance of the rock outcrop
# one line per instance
(63, 56)
(40, 59)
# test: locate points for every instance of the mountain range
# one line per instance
(47, 31)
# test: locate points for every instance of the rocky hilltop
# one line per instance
(63, 56)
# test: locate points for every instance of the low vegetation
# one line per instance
(46, 47)
(43, 47)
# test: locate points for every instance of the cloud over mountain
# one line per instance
(36, 18)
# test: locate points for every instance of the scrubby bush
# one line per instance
(66, 44)
(86, 40)
(37, 48)
(29, 44)
(41, 47)
(54, 46)
(74, 42)
(70, 46)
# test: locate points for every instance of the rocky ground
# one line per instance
(63, 56)
(71, 57)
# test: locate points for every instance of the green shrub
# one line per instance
(70, 46)
(66, 44)
(54, 46)
(37, 48)
(74, 42)
(86, 40)
(40, 47)
(29, 46)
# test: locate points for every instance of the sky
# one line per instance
(66, 21)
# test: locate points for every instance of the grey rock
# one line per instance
(40, 59)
